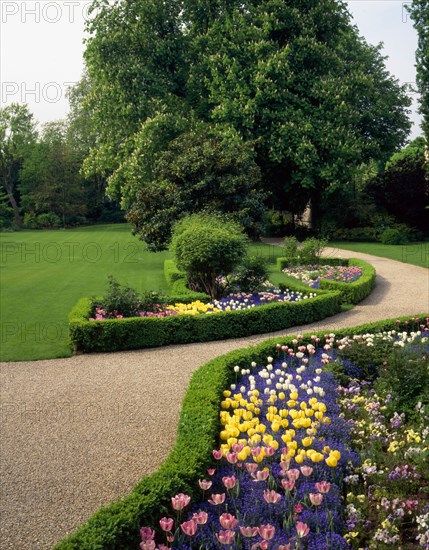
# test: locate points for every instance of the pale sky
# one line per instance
(41, 49)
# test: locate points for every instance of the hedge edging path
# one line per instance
(79, 432)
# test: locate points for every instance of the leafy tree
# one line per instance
(419, 10)
(17, 135)
(206, 168)
(293, 79)
(50, 180)
(403, 189)
(6, 212)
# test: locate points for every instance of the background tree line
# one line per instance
(256, 109)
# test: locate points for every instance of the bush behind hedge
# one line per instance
(116, 527)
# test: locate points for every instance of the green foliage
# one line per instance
(405, 375)
(205, 247)
(47, 221)
(290, 247)
(206, 168)
(124, 300)
(137, 333)
(393, 236)
(116, 526)
(419, 10)
(6, 212)
(251, 274)
(311, 250)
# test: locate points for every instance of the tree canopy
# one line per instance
(292, 80)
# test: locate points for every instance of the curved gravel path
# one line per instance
(77, 433)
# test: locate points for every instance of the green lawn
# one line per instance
(44, 273)
(413, 253)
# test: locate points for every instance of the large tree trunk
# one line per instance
(17, 218)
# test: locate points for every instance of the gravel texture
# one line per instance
(77, 433)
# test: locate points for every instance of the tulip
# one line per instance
(147, 533)
(288, 484)
(166, 524)
(201, 518)
(306, 470)
(297, 508)
(237, 447)
(249, 531)
(225, 537)
(189, 527)
(261, 475)
(323, 486)
(147, 545)
(293, 475)
(251, 467)
(229, 482)
(271, 497)
(180, 501)
(204, 484)
(217, 454)
(284, 547)
(211, 471)
(284, 465)
(302, 529)
(316, 498)
(163, 547)
(267, 532)
(217, 499)
(228, 521)
(231, 457)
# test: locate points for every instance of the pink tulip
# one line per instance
(249, 531)
(269, 451)
(189, 527)
(217, 499)
(323, 486)
(147, 545)
(231, 457)
(228, 521)
(284, 547)
(267, 532)
(201, 518)
(225, 537)
(256, 451)
(316, 498)
(237, 447)
(166, 524)
(180, 501)
(260, 475)
(251, 467)
(211, 471)
(306, 470)
(297, 508)
(147, 533)
(204, 484)
(163, 547)
(302, 529)
(284, 465)
(288, 484)
(229, 482)
(293, 475)
(217, 454)
(271, 497)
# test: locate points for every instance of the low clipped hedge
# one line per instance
(284, 262)
(116, 527)
(137, 333)
(351, 293)
(177, 282)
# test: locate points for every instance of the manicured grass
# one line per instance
(44, 273)
(413, 253)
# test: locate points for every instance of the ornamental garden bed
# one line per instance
(316, 441)
(191, 317)
(354, 278)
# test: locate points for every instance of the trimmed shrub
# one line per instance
(393, 236)
(205, 247)
(116, 527)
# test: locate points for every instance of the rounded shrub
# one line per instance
(206, 246)
(393, 236)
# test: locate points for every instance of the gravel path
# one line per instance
(79, 432)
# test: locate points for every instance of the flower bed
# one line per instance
(311, 275)
(352, 292)
(117, 526)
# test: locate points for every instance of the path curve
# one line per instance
(79, 432)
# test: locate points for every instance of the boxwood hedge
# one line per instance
(116, 527)
(351, 293)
